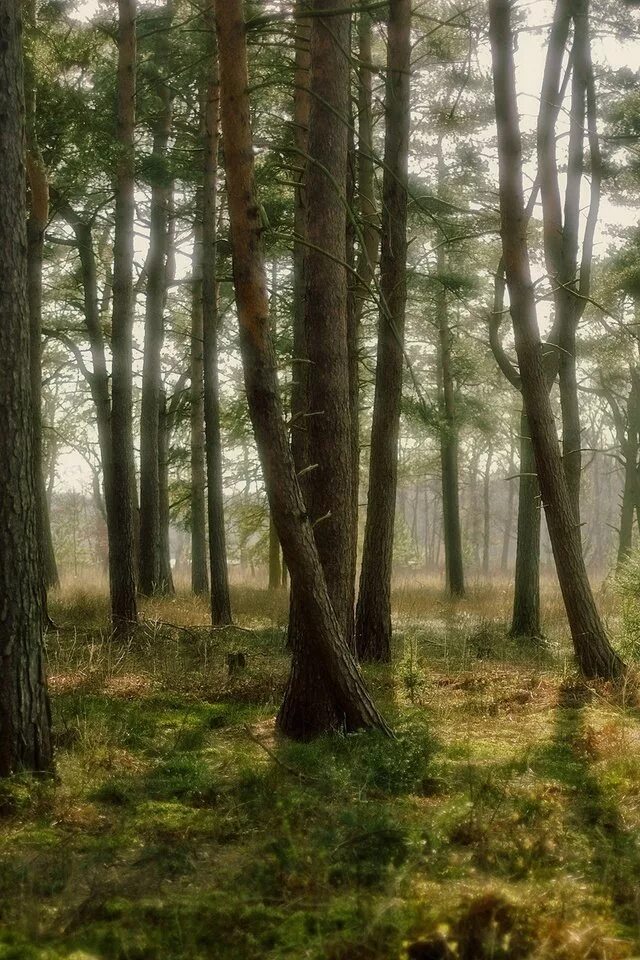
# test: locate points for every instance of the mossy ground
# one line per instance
(501, 823)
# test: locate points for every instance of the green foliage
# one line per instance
(627, 586)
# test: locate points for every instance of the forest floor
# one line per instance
(503, 822)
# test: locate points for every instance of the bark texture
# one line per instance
(373, 619)
(199, 575)
(323, 634)
(594, 653)
(328, 487)
(220, 598)
(122, 533)
(25, 738)
(38, 203)
(150, 578)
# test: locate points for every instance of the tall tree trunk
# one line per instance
(122, 531)
(25, 738)
(165, 571)
(449, 431)
(36, 225)
(308, 705)
(275, 566)
(449, 443)
(525, 621)
(199, 575)
(301, 107)
(593, 650)
(322, 630)
(373, 620)
(149, 577)
(486, 502)
(300, 368)
(220, 599)
(570, 282)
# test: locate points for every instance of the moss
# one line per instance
(172, 834)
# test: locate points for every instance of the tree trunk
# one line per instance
(220, 599)
(36, 225)
(150, 580)
(525, 621)
(199, 574)
(373, 620)
(328, 486)
(321, 631)
(486, 499)
(275, 567)
(122, 529)
(627, 432)
(593, 650)
(165, 571)
(25, 738)
(300, 369)
(449, 442)
(301, 107)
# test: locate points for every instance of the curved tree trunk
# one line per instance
(122, 528)
(593, 651)
(322, 630)
(25, 738)
(373, 620)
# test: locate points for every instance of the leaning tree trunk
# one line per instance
(150, 580)
(308, 704)
(25, 723)
(373, 620)
(220, 597)
(593, 650)
(321, 631)
(122, 530)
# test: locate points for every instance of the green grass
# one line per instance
(502, 822)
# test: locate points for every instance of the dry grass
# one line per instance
(502, 823)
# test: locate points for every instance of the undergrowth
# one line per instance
(501, 822)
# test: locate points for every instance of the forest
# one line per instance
(319, 479)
